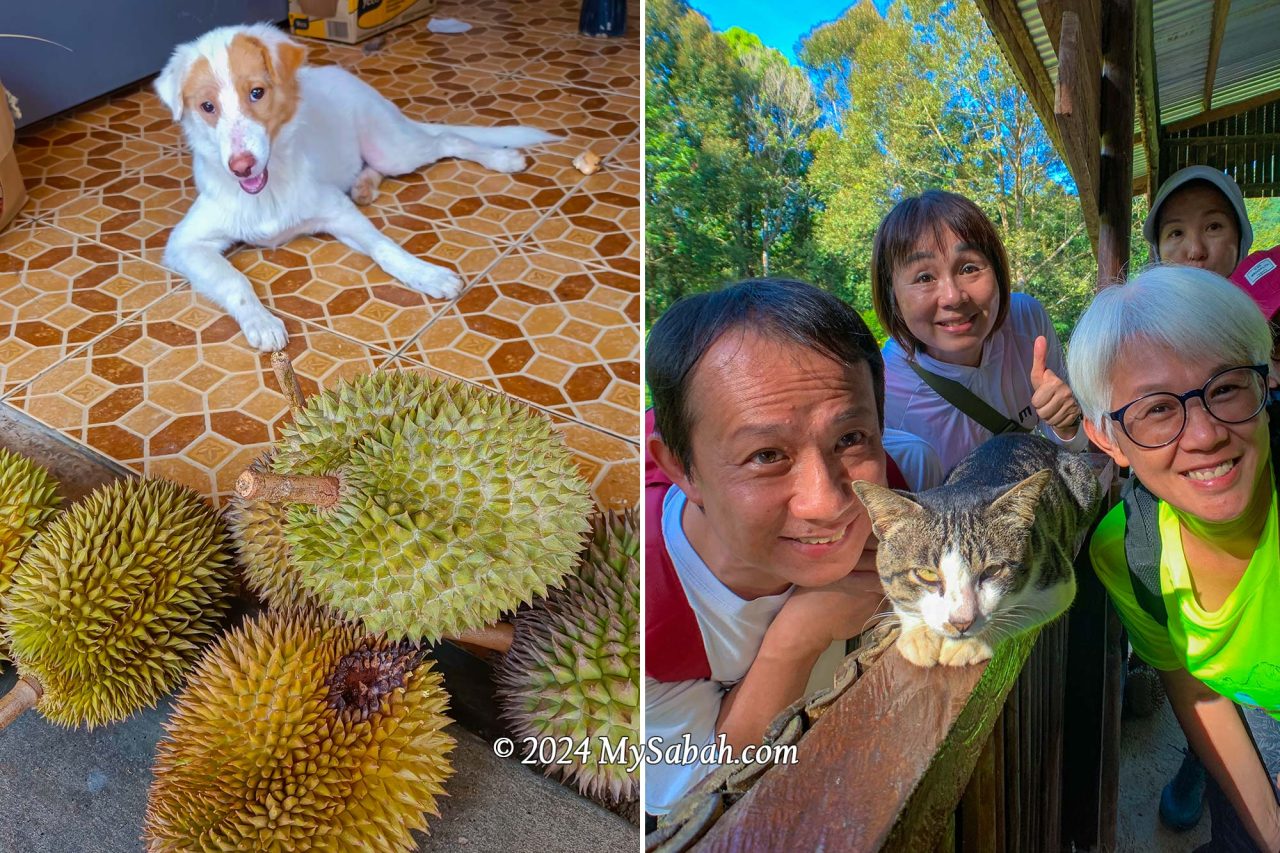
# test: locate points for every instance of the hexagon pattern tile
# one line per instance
(58, 292)
(100, 341)
(555, 332)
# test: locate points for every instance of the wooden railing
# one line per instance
(1019, 754)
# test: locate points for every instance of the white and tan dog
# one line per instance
(282, 149)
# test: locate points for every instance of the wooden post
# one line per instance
(287, 488)
(1115, 192)
(22, 697)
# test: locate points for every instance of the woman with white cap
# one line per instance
(1198, 219)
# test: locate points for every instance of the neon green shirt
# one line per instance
(1234, 650)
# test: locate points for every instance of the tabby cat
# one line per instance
(987, 554)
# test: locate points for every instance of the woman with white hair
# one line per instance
(1170, 371)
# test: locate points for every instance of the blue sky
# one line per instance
(778, 24)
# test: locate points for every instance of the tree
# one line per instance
(728, 127)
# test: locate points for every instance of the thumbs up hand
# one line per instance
(1050, 396)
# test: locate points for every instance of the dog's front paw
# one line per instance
(964, 652)
(430, 279)
(505, 160)
(920, 646)
(264, 331)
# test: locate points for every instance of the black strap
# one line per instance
(1142, 547)
(978, 409)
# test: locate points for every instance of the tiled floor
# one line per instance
(99, 341)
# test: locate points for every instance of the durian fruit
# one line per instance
(257, 529)
(574, 667)
(28, 498)
(114, 600)
(453, 504)
(301, 732)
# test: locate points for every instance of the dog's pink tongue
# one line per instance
(253, 186)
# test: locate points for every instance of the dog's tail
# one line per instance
(512, 136)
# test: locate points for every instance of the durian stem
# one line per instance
(287, 488)
(496, 637)
(23, 696)
(288, 380)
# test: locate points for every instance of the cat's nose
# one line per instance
(960, 623)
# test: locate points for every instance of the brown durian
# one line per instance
(300, 732)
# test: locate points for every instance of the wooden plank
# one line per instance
(997, 783)
(1108, 818)
(1013, 781)
(1148, 97)
(918, 732)
(1219, 25)
(1222, 112)
(1076, 106)
(1010, 30)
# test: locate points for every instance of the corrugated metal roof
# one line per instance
(1248, 60)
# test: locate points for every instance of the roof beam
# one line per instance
(1148, 94)
(1222, 112)
(1220, 10)
(1019, 50)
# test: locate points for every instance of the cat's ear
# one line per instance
(1020, 501)
(885, 506)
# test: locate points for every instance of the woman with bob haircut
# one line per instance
(967, 358)
(1171, 372)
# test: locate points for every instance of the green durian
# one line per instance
(301, 732)
(574, 666)
(257, 529)
(116, 597)
(28, 499)
(456, 504)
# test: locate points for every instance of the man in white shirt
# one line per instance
(768, 403)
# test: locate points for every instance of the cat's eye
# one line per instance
(992, 571)
(927, 576)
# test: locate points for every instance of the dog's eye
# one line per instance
(256, 93)
(207, 106)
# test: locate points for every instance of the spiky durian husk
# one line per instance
(457, 504)
(114, 600)
(28, 499)
(257, 529)
(574, 666)
(300, 732)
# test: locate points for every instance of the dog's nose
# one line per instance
(241, 164)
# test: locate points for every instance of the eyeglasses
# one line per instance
(1233, 396)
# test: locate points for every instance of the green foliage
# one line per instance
(728, 123)
(755, 166)
(1264, 216)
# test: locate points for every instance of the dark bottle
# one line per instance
(603, 17)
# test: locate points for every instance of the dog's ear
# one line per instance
(169, 84)
(288, 58)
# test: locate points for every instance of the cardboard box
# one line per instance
(12, 192)
(352, 21)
